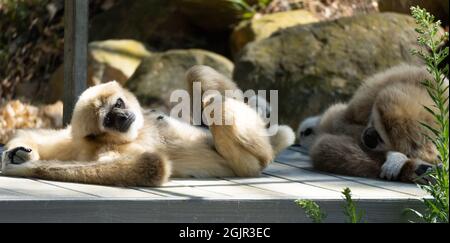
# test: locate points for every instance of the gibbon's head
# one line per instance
(307, 131)
(397, 131)
(108, 113)
(395, 123)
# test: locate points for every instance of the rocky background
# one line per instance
(315, 52)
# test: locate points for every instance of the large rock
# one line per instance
(260, 28)
(161, 24)
(439, 8)
(162, 73)
(107, 60)
(315, 65)
(215, 15)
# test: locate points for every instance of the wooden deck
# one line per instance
(269, 198)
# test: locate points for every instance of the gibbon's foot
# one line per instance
(416, 170)
(399, 167)
(18, 155)
(421, 171)
(12, 160)
(393, 165)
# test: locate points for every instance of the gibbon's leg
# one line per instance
(146, 169)
(244, 144)
(241, 137)
(340, 154)
(42, 144)
(209, 79)
(24, 147)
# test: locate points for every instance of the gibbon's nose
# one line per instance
(119, 120)
(371, 138)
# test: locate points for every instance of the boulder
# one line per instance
(217, 15)
(107, 60)
(313, 66)
(439, 8)
(160, 24)
(260, 28)
(162, 73)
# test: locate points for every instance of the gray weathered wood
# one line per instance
(199, 211)
(75, 53)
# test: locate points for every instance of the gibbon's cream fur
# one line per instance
(378, 133)
(111, 142)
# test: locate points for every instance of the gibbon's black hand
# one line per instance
(14, 153)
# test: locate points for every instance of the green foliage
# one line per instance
(430, 38)
(249, 7)
(353, 214)
(31, 43)
(312, 210)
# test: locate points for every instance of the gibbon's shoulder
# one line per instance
(363, 99)
(332, 118)
(403, 73)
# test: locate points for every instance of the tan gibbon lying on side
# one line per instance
(378, 133)
(111, 142)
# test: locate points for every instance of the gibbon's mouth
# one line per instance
(119, 121)
(371, 138)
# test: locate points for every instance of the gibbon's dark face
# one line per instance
(119, 118)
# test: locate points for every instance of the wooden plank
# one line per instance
(36, 189)
(193, 211)
(6, 194)
(294, 158)
(104, 191)
(333, 183)
(302, 161)
(75, 53)
(176, 189)
(231, 189)
(294, 189)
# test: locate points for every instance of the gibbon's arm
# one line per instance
(340, 154)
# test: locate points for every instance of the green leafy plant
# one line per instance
(353, 214)
(249, 7)
(315, 213)
(431, 39)
(312, 210)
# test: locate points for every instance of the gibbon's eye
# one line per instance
(371, 138)
(119, 104)
(307, 132)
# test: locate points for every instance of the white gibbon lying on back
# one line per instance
(378, 132)
(111, 142)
